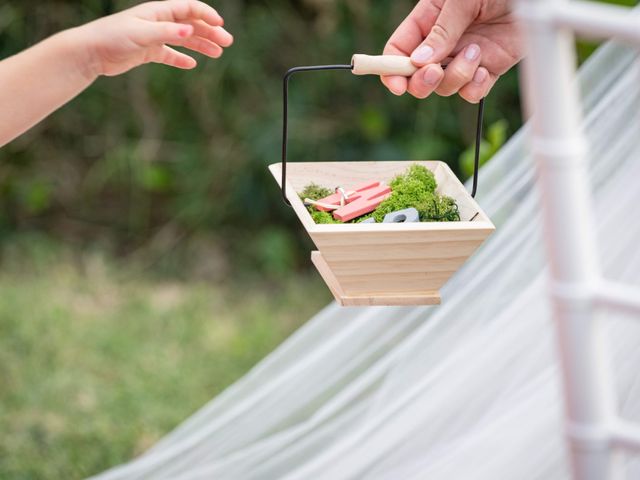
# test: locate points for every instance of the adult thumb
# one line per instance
(453, 20)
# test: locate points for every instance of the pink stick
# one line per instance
(334, 199)
(363, 203)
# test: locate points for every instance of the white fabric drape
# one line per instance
(467, 390)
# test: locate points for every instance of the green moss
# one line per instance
(438, 208)
(315, 192)
(415, 173)
(321, 217)
(416, 188)
(408, 192)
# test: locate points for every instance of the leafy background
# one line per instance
(146, 258)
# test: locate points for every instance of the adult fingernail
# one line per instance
(472, 52)
(480, 75)
(431, 76)
(422, 54)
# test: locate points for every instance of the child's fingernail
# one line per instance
(480, 76)
(431, 76)
(472, 52)
(422, 54)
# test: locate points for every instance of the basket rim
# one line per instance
(481, 223)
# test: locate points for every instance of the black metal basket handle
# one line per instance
(367, 65)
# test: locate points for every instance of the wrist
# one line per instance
(76, 52)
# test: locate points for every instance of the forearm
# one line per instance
(36, 82)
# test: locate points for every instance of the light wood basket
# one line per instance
(386, 264)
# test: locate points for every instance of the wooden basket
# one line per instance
(387, 263)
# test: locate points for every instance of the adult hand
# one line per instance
(477, 39)
(142, 34)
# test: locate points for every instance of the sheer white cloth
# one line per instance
(467, 390)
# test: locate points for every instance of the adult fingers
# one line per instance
(396, 84)
(413, 29)
(217, 35)
(460, 71)
(479, 86)
(173, 58)
(453, 20)
(425, 81)
(406, 38)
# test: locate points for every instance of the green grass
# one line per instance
(96, 365)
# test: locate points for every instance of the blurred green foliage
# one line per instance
(157, 157)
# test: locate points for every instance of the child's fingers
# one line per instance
(182, 10)
(220, 36)
(173, 58)
(217, 35)
(149, 32)
(204, 46)
(479, 87)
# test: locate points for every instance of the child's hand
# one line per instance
(46, 76)
(120, 42)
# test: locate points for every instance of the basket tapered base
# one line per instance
(372, 299)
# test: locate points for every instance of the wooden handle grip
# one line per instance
(383, 65)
